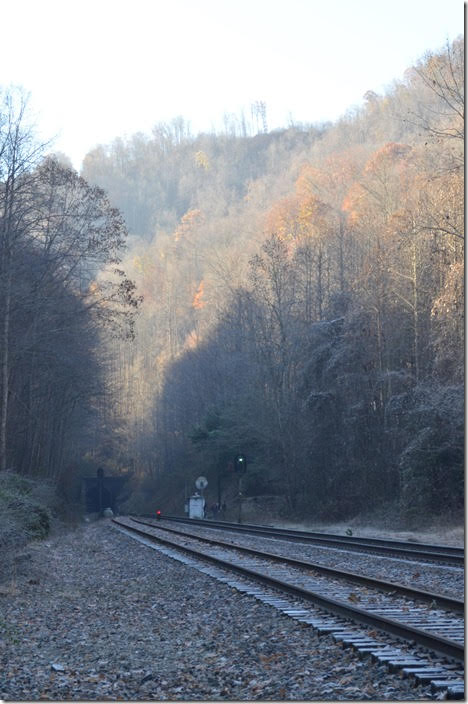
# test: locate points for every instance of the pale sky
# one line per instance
(97, 69)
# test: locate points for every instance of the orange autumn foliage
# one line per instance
(282, 219)
(187, 223)
(388, 155)
(198, 301)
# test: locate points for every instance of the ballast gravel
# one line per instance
(94, 615)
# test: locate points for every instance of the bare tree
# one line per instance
(19, 155)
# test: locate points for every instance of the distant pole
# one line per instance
(239, 515)
(240, 465)
(100, 477)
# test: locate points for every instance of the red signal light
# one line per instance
(158, 514)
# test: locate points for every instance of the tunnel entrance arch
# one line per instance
(102, 492)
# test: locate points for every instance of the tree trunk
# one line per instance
(5, 369)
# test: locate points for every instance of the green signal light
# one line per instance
(240, 463)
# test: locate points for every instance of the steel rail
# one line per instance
(438, 600)
(442, 646)
(441, 553)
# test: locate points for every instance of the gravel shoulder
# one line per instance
(442, 535)
(94, 615)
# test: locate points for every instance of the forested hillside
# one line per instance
(296, 296)
(303, 304)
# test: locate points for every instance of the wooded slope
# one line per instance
(303, 304)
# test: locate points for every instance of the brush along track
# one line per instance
(430, 629)
(399, 548)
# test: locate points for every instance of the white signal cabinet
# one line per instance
(196, 506)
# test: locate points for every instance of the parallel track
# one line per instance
(392, 588)
(393, 618)
(416, 551)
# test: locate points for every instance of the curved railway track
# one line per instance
(392, 609)
(398, 548)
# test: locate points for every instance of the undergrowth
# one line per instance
(25, 512)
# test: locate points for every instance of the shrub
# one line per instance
(25, 510)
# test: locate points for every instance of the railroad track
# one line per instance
(446, 554)
(435, 600)
(426, 621)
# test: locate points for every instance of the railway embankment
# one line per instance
(26, 513)
(91, 614)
